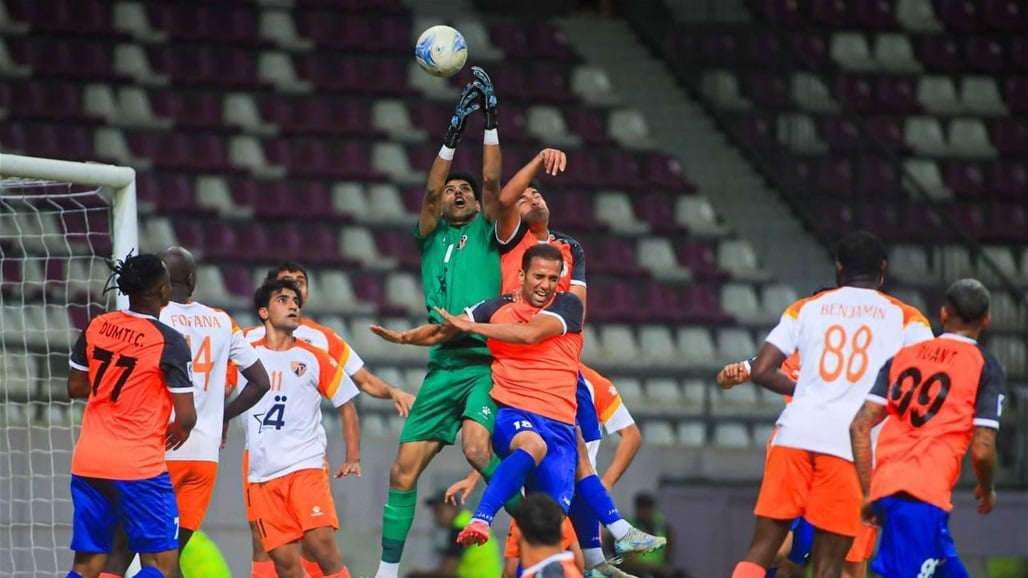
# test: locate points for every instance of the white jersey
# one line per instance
(214, 340)
(610, 409)
(283, 430)
(324, 339)
(843, 337)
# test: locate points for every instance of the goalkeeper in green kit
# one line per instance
(459, 231)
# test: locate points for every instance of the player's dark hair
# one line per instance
(534, 184)
(472, 182)
(262, 297)
(861, 254)
(135, 274)
(286, 267)
(539, 518)
(544, 252)
(968, 299)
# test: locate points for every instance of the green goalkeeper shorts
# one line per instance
(447, 397)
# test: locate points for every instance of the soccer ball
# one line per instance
(441, 51)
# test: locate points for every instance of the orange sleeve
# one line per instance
(330, 374)
(511, 549)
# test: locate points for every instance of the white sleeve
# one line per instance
(619, 420)
(785, 335)
(241, 353)
(346, 391)
(354, 363)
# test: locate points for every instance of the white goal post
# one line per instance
(59, 222)
(121, 180)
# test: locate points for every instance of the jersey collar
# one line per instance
(558, 557)
(956, 337)
(138, 314)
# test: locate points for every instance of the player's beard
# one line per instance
(536, 216)
(455, 214)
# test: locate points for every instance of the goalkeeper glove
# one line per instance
(485, 85)
(468, 103)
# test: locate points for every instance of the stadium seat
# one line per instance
(909, 263)
(1011, 351)
(629, 389)
(1007, 312)
(404, 291)
(696, 345)
(722, 88)
(414, 378)
(810, 93)
(658, 433)
(851, 52)
(951, 262)
(657, 345)
(20, 374)
(912, 297)
(547, 124)
(619, 344)
(741, 300)
(663, 392)
(738, 257)
(926, 173)
(478, 39)
(938, 94)
(629, 128)
(917, 16)
(615, 210)
(591, 350)
(731, 435)
(374, 425)
(776, 298)
(335, 293)
(735, 344)
(694, 394)
(276, 68)
(1002, 257)
(593, 86)
(799, 133)
(924, 135)
(763, 431)
(980, 96)
(691, 434)
(657, 255)
(277, 26)
(367, 344)
(695, 213)
(894, 54)
(968, 138)
(391, 117)
(391, 160)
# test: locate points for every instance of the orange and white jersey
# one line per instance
(283, 430)
(610, 409)
(214, 340)
(843, 337)
(324, 339)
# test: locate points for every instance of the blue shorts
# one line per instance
(555, 475)
(146, 509)
(915, 540)
(586, 417)
(802, 541)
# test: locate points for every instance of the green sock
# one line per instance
(397, 517)
(487, 472)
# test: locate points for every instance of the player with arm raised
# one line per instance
(133, 370)
(940, 396)
(843, 337)
(457, 234)
(289, 494)
(214, 340)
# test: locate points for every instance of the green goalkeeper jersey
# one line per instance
(460, 267)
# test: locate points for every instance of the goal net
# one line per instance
(59, 223)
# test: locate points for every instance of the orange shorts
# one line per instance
(863, 545)
(822, 488)
(513, 550)
(247, 499)
(194, 485)
(287, 507)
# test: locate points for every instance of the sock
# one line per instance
(149, 572)
(593, 493)
(748, 570)
(593, 557)
(507, 480)
(344, 573)
(109, 575)
(397, 518)
(771, 573)
(388, 570)
(312, 568)
(587, 527)
(265, 569)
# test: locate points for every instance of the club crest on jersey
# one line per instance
(463, 241)
(298, 367)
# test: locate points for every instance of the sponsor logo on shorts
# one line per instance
(316, 511)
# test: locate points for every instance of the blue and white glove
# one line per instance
(485, 85)
(470, 101)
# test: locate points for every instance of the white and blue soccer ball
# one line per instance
(441, 51)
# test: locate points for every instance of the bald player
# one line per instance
(214, 339)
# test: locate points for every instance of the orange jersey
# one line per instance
(512, 549)
(540, 378)
(791, 367)
(936, 393)
(560, 565)
(134, 363)
(573, 272)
